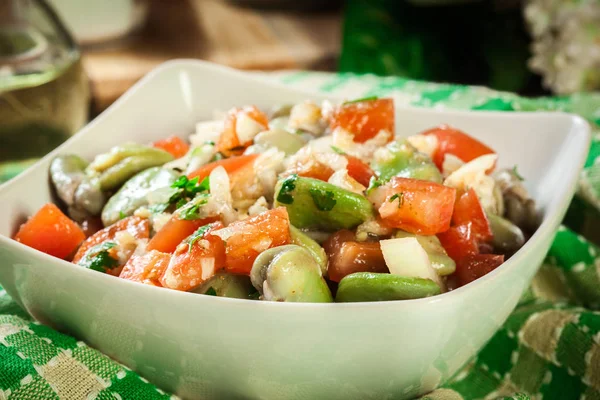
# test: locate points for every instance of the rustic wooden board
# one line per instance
(216, 31)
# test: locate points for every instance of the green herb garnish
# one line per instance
(400, 197)
(98, 259)
(370, 98)
(374, 183)
(211, 291)
(338, 150)
(210, 142)
(191, 210)
(122, 215)
(287, 187)
(324, 199)
(186, 189)
(516, 174)
(199, 234)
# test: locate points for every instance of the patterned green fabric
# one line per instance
(549, 347)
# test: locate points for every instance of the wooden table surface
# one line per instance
(216, 31)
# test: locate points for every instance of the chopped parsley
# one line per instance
(370, 98)
(287, 187)
(199, 234)
(516, 174)
(191, 210)
(324, 199)
(184, 190)
(211, 291)
(400, 197)
(122, 215)
(338, 150)
(98, 259)
(210, 142)
(374, 183)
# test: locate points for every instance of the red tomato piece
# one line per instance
(174, 145)
(51, 231)
(147, 268)
(475, 266)
(229, 143)
(247, 238)
(347, 256)
(468, 209)
(455, 142)
(359, 170)
(231, 165)
(136, 226)
(174, 232)
(195, 260)
(459, 242)
(311, 168)
(414, 205)
(364, 119)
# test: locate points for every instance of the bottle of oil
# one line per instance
(44, 93)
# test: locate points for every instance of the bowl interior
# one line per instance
(547, 148)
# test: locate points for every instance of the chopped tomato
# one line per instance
(229, 142)
(136, 226)
(455, 142)
(468, 209)
(195, 260)
(311, 168)
(359, 170)
(365, 119)
(231, 165)
(247, 238)
(475, 266)
(347, 256)
(459, 242)
(51, 232)
(174, 145)
(147, 268)
(414, 205)
(174, 232)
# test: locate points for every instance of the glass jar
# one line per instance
(44, 92)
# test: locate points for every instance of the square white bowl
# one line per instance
(207, 347)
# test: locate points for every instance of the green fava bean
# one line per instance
(228, 285)
(89, 196)
(399, 158)
(372, 286)
(315, 204)
(290, 274)
(438, 257)
(283, 140)
(301, 239)
(508, 238)
(67, 172)
(134, 193)
(119, 173)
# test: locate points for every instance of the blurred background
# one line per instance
(64, 61)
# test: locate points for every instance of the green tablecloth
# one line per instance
(549, 347)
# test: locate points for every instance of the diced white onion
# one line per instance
(307, 116)
(473, 175)
(427, 144)
(246, 128)
(220, 201)
(451, 163)
(207, 131)
(406, 257)
(258, 207)
(342, 179)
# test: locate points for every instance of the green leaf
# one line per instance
(324, 200)
(199, 234)
(211, 291)
(400, 197)
(516, 174)
(370, 98)
(122, 215)
(210, 142)
(338, 150)
(98, 259)
(287, 187)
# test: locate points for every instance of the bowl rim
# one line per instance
(545, 229)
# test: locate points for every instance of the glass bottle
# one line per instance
(44, 92)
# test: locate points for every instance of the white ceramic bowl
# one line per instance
(218, 348)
